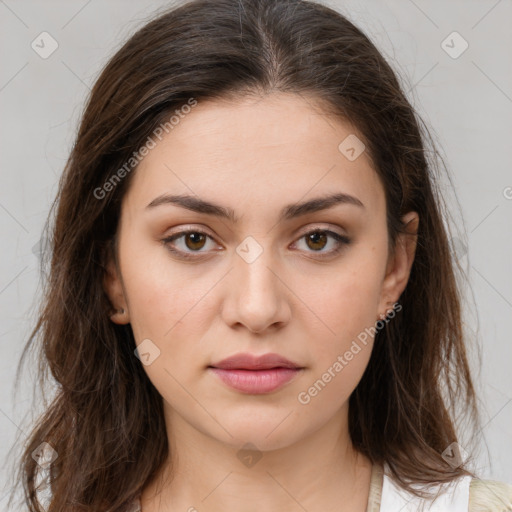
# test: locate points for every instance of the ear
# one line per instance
(399, 264)
(113, 286)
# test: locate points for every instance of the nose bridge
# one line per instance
(256, 292)
(252, 267)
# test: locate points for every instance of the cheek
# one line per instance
(165, 306)
(162, 297)
(349, 300)
(341, 353)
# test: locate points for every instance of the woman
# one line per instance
(251, 302)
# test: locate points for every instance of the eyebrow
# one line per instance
(290, 211)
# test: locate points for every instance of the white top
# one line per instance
(455, 497)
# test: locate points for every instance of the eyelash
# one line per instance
(341, 240)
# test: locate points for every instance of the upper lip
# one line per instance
(246, 361)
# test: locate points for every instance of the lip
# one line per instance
(256, 374)
(246, 361)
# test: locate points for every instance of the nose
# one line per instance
(256, 295)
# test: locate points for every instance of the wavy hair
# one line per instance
(105, 419)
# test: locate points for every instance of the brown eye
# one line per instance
(195, 240)
(185, 243)
(317, 240)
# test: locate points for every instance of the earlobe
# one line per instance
(400, 263)
(119, 316)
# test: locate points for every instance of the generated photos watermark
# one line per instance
(304, 397)
(144, 150)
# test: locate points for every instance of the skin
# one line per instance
(256, 156)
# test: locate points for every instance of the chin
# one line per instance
(264, 434)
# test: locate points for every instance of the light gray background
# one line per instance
(467, 101)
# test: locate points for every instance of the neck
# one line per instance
(321, 471)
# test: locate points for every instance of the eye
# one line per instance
(318, 239)
(193, 240)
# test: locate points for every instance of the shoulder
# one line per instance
(489, 496)
(464, 494)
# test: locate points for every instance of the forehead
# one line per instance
(256, 151)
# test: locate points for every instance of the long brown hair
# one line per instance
(105, 420)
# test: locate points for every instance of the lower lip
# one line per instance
(256, 381)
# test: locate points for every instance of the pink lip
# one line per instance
(256, 375)
(256, 381)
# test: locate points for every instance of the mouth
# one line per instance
(252, 374)
(256, 381)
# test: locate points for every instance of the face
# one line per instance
(256, 274)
